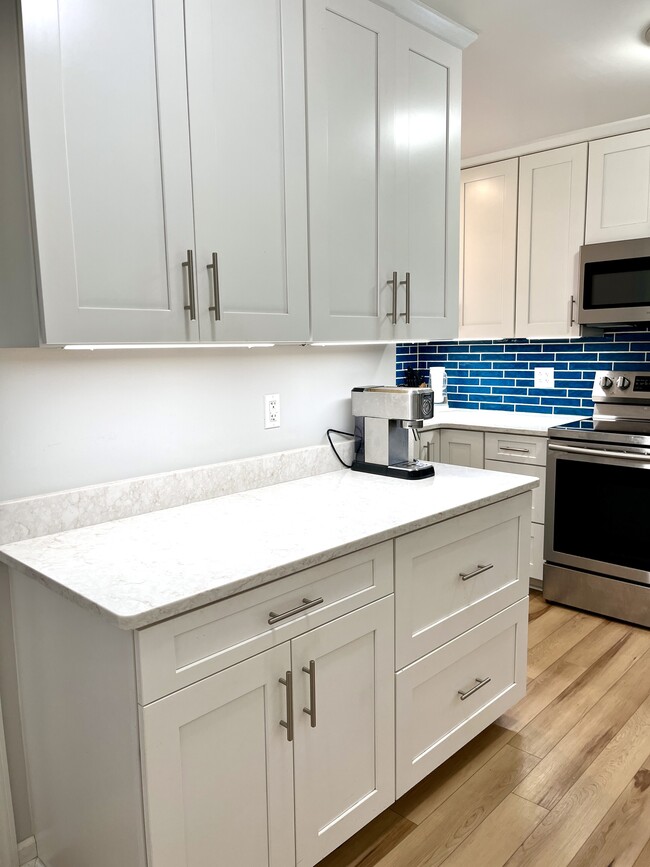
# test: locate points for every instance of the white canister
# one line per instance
(438, 382)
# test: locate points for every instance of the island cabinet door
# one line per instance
(344, 721)
(217, 768)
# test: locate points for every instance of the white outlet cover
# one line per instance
(271, 410)
(544, 377)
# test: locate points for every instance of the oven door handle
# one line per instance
(601, 453)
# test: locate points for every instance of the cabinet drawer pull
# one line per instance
(189, 264)
(287, 681)
(393, 313)
(479, 683)
(311, 710)
(306, 603)
(465, 576)
(515, 449)
(214, 267)
(407, 312)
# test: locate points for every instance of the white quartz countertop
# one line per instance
(140, 570)
(500, 421)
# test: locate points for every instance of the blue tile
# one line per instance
(477, 365)
(560, 401)
(544, 409)
(568, 374)
(627, 357)
(502, 406)
(529, 400)
(498, 390)
(515, 365)
(633, 336)
(538, 356)
(463, 404)
(563, 347)
(490, 380)
(547, 392)
(474, 389)
(570, 356)
(503, 357)
(583, 394)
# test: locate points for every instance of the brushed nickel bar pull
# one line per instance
(214, 267)
(287, 681)
(465, 576)
(479, 685)
(189, 264)
(311, 710)
(407, 283)
(572, 317)
(306, 604)
(393, 313)
(513, 449)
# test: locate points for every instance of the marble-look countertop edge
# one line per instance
(156, 614)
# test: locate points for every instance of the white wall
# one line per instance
(76, 418)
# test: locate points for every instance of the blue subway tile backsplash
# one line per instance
(499, 374)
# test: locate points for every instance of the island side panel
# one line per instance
(79, 708)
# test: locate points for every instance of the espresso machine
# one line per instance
(385, 416)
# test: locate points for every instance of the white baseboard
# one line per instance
(27, 852)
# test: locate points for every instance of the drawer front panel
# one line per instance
(539, 493)
(433, 719)
(181, 651)
(434, 602)
(519, 449)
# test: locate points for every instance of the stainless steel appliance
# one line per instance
(385, 416)
(615, 282)
(597, 536)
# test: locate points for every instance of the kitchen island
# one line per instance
(251, 674)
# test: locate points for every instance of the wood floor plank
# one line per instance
(543, 732)
(550, 619)
(551, 648)
(562, 766)
(540, 693)
(501, 834)
(371, 843)
(586, 652)
(536, 602)
(559, 837)
(644, 858)
(622, 834)
(434, 789)
(441, 833)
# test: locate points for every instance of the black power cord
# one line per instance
(342, 433)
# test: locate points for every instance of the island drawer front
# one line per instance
(433, 721)
(437, 596)
(184, 649)
(520, 449)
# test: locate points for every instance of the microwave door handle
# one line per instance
(600, 453)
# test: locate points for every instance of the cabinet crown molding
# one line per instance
(428, 19)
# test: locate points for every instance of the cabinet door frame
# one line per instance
(63, 319)
(599, 150)
(572, 207)
(410, 38)
(160, 723)
(292, 324)
(327, 326)
(376, 619)
(505, 302)
(473, 438)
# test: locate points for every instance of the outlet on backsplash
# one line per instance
(544, 377)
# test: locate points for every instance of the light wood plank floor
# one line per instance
(561, 779)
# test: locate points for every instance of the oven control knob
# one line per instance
(623, 382)
(605, 382)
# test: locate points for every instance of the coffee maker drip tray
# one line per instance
(402, 470)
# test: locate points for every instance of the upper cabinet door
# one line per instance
(618, 190)
(488, 219)
(245, 66)
(105, 86)
(427, 126)
(552, 187)
(350, 90)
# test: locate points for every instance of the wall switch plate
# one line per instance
(544, 377)
(271, 410)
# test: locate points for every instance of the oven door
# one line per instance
(598, 509)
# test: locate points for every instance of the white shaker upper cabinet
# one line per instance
(105, 87)
(618, 189)
(551, 220)
(245, 66)
(488, 219)
(351, 98)
(427, 128)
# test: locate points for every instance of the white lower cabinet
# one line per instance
(223, 757)
(464, 448)
(446, 698)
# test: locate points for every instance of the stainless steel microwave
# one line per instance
(615, 282)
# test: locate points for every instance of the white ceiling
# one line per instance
(543, 67)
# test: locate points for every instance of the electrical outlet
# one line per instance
(544, 377)
(271, 410)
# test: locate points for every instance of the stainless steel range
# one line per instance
(597, 542)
